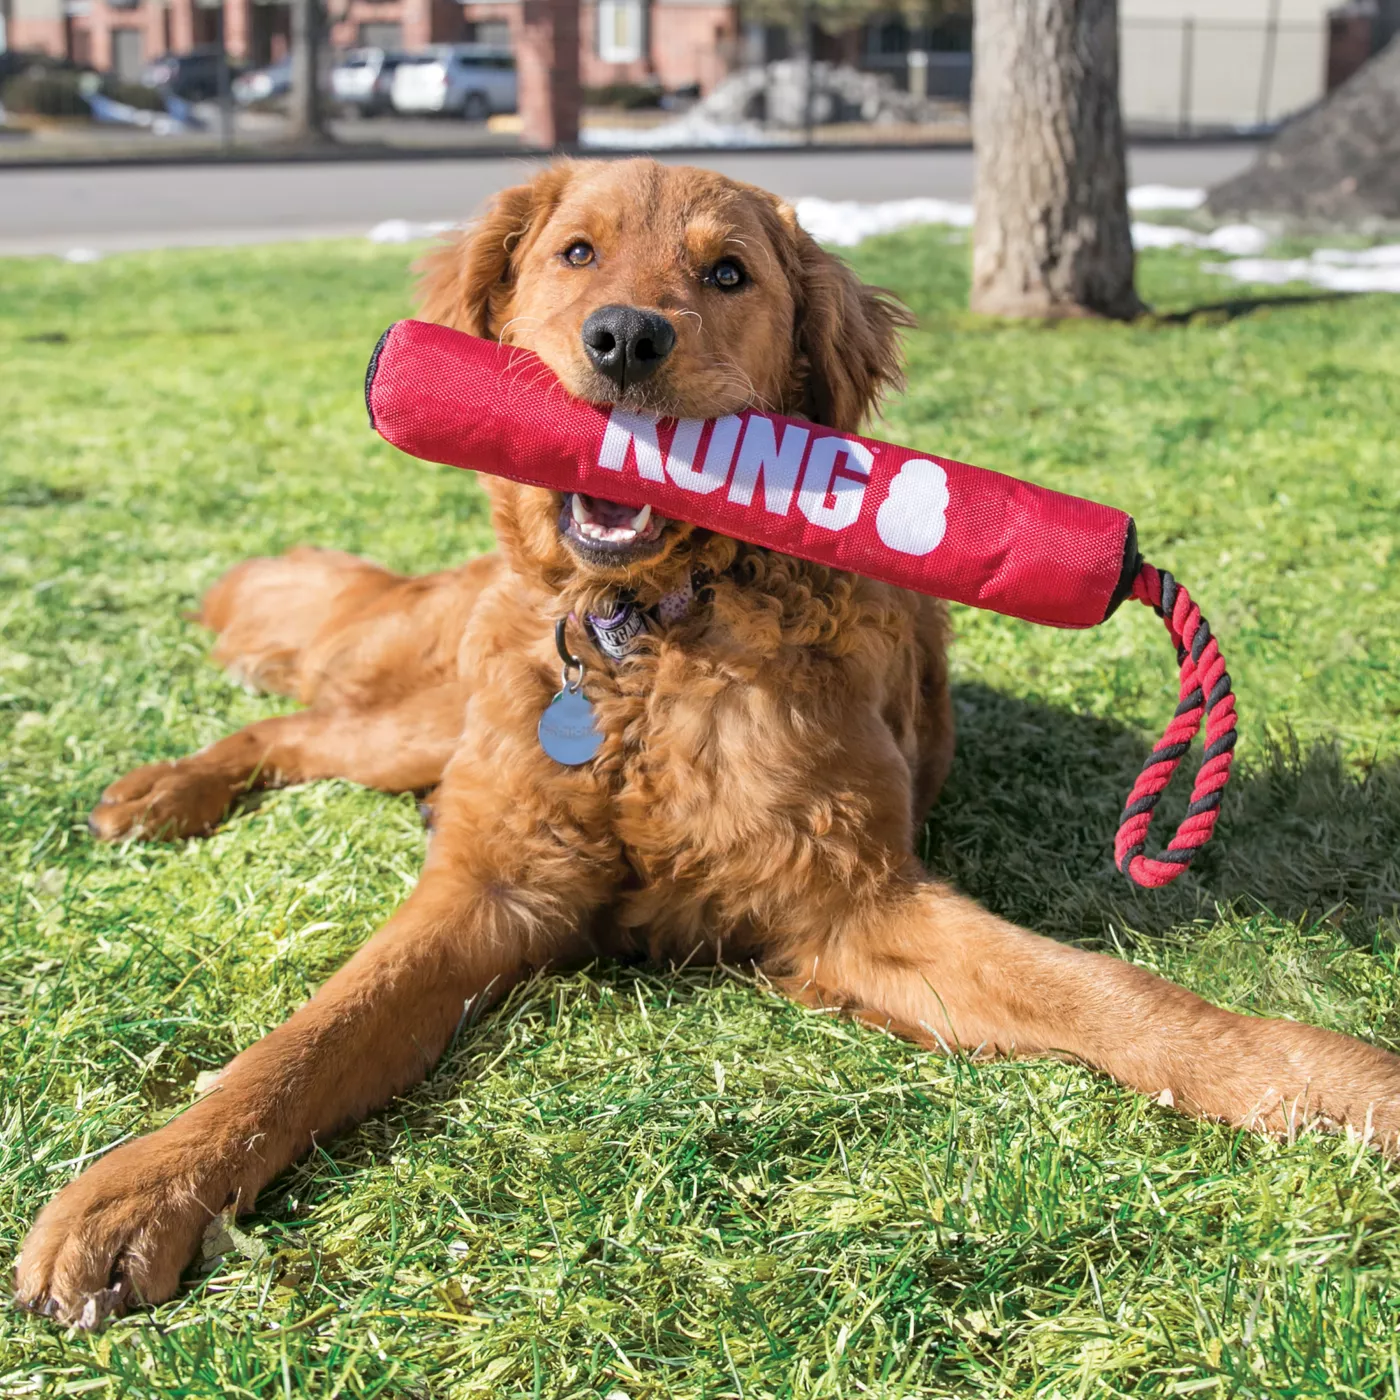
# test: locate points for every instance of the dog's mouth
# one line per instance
(604, 532)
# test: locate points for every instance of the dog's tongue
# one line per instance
(606, 513)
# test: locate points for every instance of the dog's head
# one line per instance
(669, 289)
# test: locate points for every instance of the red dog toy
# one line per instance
(921, 522)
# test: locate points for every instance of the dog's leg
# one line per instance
(933, 966)
(497, 899)
(399, 749)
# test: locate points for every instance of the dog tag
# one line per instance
(567, 732)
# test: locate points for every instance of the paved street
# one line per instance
(107, 210)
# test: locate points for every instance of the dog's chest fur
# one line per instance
(751, 754)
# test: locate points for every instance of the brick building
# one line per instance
(677, 43)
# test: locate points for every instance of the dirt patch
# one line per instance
(1338, 164)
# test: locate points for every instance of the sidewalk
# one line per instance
(256, 137)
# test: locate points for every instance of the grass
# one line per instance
(639, 1184)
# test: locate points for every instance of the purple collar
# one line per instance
(617, 635)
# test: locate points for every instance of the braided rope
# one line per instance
(1205, 694)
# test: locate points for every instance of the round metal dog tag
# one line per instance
(567, 732)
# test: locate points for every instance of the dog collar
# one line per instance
(616, 635)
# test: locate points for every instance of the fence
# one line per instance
(1188, 75)
(1178, 75)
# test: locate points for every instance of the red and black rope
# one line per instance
(1205, 694)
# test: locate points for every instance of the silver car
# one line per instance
(263, 84)
(361, 81)
(463, 80)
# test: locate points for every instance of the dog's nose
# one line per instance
(627, 344)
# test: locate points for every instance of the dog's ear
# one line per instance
(847, 335)
(465, 281)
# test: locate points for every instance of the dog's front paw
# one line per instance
(121, 1233)
(162, 802)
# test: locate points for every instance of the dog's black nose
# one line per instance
(627, 344)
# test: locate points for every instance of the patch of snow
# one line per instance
(1141, 198)
(109, 111)
(778, 95)
(1273, 272)
(1334, 269)
(693, 129)
(843, 223)
(1387, 255)
(82, 255)
(1238, 240)
(1164, 236)
(407, 231)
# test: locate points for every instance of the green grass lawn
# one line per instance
(640, 1184)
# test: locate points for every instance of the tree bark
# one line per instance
(1053, 236)
(808, 22)
(547, 64)
(307, 111)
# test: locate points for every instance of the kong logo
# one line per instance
(752, 457)
(844, 501)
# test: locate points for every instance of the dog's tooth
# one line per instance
(576, 506)
(640, 521)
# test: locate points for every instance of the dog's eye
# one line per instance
(579, 254)
(727, 275)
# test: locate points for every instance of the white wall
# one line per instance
(36, 9)
(1228, 50)
(1249, 11)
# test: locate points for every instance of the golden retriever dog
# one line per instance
(772, 741)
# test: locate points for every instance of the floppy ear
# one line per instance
(465, 281)
(847, 336)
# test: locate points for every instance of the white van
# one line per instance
(466, 80)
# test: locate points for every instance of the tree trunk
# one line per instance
(809, 67)
(547, 64)
(1053, 237)
(308, 117)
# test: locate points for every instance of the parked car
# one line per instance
(463, 80)
(263, 84)
(193, 76)
(362, 79)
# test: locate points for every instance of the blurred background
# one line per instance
(129, 124)
(88, 77)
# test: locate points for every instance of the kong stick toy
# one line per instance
(908, 518)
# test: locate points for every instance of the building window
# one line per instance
(376, 34)
(492, 31)
(620, 30)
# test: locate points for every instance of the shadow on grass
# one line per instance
(1026, 826)
(1027, 821)
(1221, 312)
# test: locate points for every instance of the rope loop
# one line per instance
(1205, 695)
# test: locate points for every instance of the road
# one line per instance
(115, 209)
